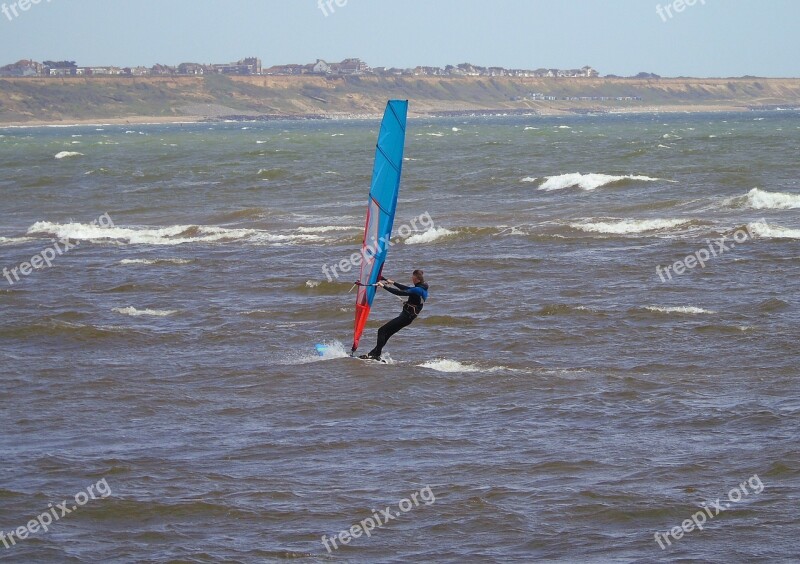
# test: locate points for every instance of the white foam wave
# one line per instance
(67, 154)
(133, 312)
(429, 236)
(14, 240)
(447, 365)
(332, 350)
(313, 283)
(327, 229)
(589, 181)
(763, 200)
(626, 226)
(767, 231)
(685, 310)
(154, 261)
(529, 179)
(172, 235)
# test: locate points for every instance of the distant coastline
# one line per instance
(138, 100)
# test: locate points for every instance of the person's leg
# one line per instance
(385, 332)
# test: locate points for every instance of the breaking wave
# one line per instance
(767, 231)
(762, 200)
(429, 236)
(133, 312)
(328, 229)
(446, 365)
(171, 235)
(587, 181)
(626, 226)
(126, 262)
(67, 154)
(684, 310)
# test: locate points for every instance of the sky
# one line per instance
(711, 38)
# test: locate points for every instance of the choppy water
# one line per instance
(560, 400)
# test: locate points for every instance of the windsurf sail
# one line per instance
(380, 208)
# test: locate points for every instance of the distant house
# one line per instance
(350, 67)
(244, 67)
(62, 72)
(470, 70)
(254, 64)
(429, 71)
(162, 70)
(192, 69)
(98, 71)
(589, 72)
(321, 67)
(287, 69)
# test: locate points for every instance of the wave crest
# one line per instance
(68, 154)
(589, 181)
(446, 365)
(133, 312)
(766, 231)
(429, 236)
(762, 200)
(684, 310)
(627, 226)
(171, 235)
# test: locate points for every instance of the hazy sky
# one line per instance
(710, 38)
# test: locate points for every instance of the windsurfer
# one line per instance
(416, 294)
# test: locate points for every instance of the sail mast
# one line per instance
(381, 208)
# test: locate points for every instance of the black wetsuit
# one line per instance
(417, 295)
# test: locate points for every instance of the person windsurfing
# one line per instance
(416, 294)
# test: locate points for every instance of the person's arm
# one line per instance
(396, 292)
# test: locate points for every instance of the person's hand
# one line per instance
(389, 282)
(381, 283)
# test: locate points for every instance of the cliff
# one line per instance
(68, 100)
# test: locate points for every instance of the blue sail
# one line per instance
(380, 208)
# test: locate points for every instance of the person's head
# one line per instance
(418, 277)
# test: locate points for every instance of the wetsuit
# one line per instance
(417, 295)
